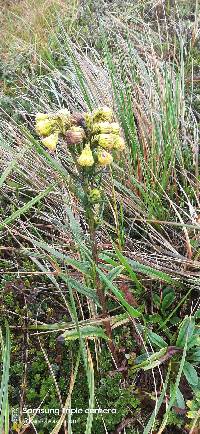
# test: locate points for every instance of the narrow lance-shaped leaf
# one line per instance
(86, 332)
(186, 331)
(156, 339)
(134, 313)
(74, 263)
(128, 268)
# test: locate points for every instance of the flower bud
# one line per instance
(101, 128)
(106, 141)
(51, 141)
(106, 127)
(119, 143)
(104, 158)
(41, 117)
(102, 114)
(63, 117)
(44, 127)
(95, 195)
(86, 157)
(75, 135)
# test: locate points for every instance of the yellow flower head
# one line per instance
(44, 127)
(86, 158)
(63, 119)
(119, 143)
(51, 141)
(102, 114)
(106, 141)
(104, 158)
(41, 117)
(106, 127)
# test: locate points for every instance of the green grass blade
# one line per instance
(148, 427)
(7, 172)
(24, 209)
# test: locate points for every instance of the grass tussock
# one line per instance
(27, 25)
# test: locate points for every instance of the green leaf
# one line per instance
(195, 356)
(86, 332)
(81, 266)
(157, 340)
(115, 272)
(83, 289)
(190, 374)
(91, 386)
(197, 313)
(167, 300)
(180, 399)
(172, 313)
(51, 327)
(119, 295)
(53, 163)
(186, 331)
(4, 412)
(150, 360)
(148, 427)
(145, 269)
(137, 267)
(74, 225)
(152, 365)
(119, 320)
(156, 300)
(176, 385)
(128, 268)
(194, 341)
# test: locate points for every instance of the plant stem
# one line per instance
(98, 285)
(90, 218)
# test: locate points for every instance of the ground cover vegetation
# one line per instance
(99, 225)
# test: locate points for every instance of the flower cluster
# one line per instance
(93, 137)
(49, 126)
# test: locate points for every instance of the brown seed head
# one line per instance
(78, 119)
(75, 136)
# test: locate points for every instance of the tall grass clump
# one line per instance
(99, 229)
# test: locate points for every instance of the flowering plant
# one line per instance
(94, 141)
